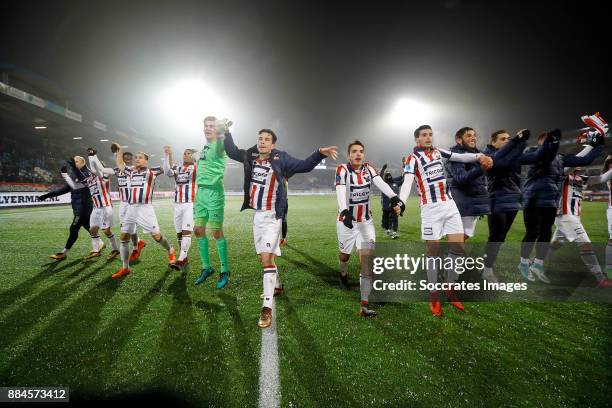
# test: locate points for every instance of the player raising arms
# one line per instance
(96, 177)
(439, 213)
(541, 194)
(80, 200)
(210, 199)
(141, 179)
(265, 169)
(355, 226)
(184, 195)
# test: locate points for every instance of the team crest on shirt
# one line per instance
(436, 154)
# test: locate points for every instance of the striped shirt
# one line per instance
(428, 170)
(571, 198)
(263, 186)
(185, 183)
(123, 184)
(99, 188)
(359, 183)
(142, 183)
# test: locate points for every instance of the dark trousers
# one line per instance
(78, 222)
(499, 225)
(538, 230)
(389, 220)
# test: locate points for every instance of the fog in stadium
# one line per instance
(316, 72)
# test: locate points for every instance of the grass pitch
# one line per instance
(69, 324)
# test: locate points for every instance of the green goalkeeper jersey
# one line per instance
(211, 166)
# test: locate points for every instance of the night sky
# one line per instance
(320, 73)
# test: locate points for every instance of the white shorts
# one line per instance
(142, 215)
(123, 209)
(469, 225)
(363, 235)
(183, 217)
(267, 232)
(609, 214)
(569, 228)
(101, 217)
(440, 219)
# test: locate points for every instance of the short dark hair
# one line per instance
(495, 134)
(422, 127)
(459, 134)
(353, 143)
(127, 154)
(269, 131)
(210, 119)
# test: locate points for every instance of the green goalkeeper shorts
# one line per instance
(208, 207)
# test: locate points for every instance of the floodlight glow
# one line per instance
(40, 127)
(409, 113)
(77, 138)
(104, 140)
(188, 102)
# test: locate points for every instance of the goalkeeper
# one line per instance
(210, 199)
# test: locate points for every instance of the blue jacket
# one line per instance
(468, 185)
(504, 179)
(80, 199)
(543, 184)
(283, 165)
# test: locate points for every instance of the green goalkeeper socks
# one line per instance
(203, 244)
(222, 248)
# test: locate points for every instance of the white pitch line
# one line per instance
(269, 384)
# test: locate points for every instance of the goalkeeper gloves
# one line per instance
(597, 140)
(523, 135)
(554, 135)
(347, 219)
(395, 201)
(91, 151)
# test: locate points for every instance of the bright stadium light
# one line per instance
(104, 140)
(40, 127)
(409, 113)
(188, 102)
(77, 138)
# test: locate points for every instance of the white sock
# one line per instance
(343, 267)
(269, 280)
(95, 243)
(539, 262)
(525, 261)
(65, 251)
(124, 249)
(278, 281)
(185, 245)
(113, 242)
(365, 286)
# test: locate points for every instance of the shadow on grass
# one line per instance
(314, 266)
(308, 364)
(40, 306)
(61, 352)
(187, 356)
(10, 296)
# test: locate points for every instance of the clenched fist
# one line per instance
(485, 162)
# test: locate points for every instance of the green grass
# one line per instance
(70, 324)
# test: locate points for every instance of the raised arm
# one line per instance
(511, 151)
(232, 150)
(293, 165)
(459, 157)
(574, 160)
(118, 150)
(167, 162)
(96, 165)
(602, 178)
